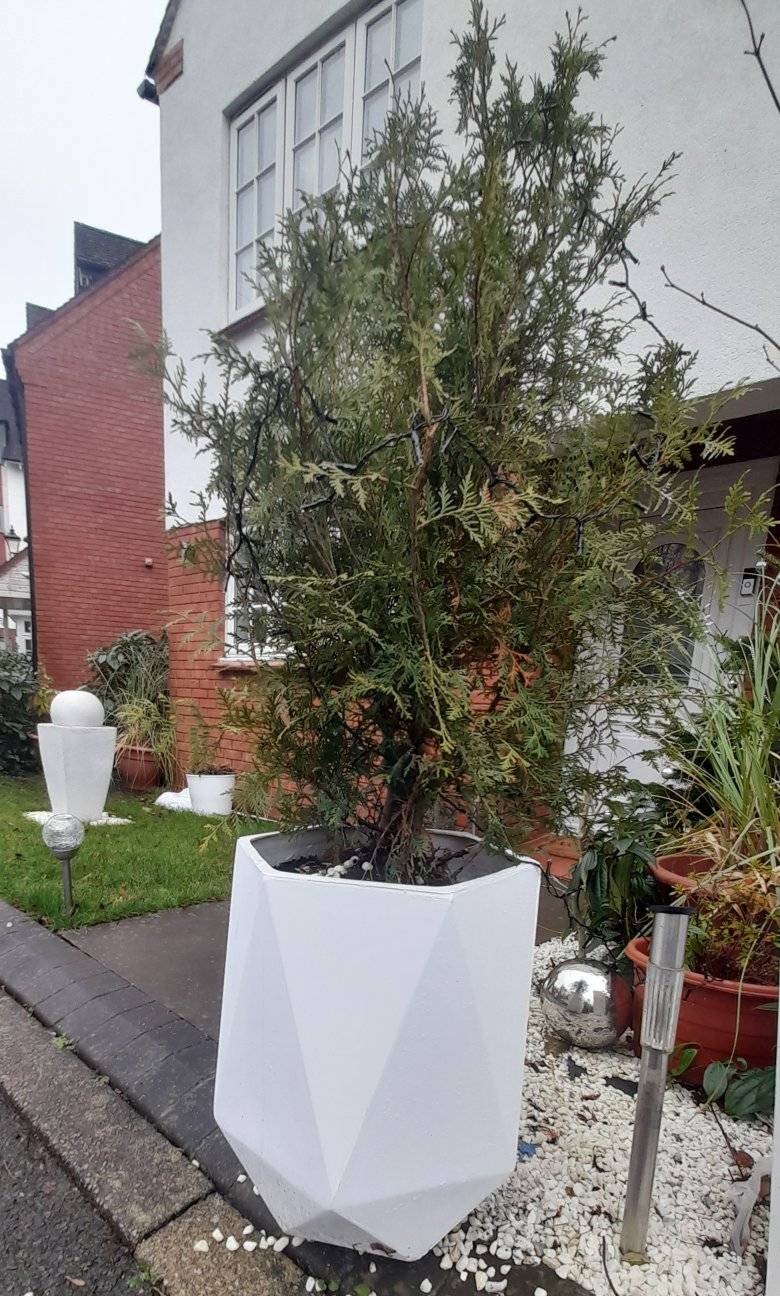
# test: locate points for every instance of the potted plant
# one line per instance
(210, 784)
(435, 481)
(130, 676)
(146, 742)
(724, 805)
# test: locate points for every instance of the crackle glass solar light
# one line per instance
(64, 834)
(77, 754)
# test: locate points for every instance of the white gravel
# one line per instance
(563, 1205)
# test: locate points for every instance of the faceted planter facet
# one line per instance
(77, 764)
(372, 1041)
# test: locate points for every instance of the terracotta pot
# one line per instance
(680, 870)
(711, 1014)
(138, 769)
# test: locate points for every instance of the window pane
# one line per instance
(408, 32)
(267, 141)
(377, 51)
(332, 86)
(374, 110)
(407, 86)
(245, 264)
(266, 193)
(306, 105)
(245, 216)
(246, 152)
(304, 171)
(330, 143)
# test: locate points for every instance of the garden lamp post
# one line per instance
(63, 834)
(663, 992)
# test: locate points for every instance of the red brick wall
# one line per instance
(196, 630)
(95, 469)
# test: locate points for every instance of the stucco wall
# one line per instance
(676, 78)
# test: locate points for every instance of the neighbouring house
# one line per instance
(15, 600)
(255, 99)
(89, 414)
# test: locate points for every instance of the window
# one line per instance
(289, 143)
(391, 51)
(256, 201)
(317, 121)
(679, 568)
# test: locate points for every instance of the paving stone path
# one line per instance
(52, 1240)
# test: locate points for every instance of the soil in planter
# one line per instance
(440, 870)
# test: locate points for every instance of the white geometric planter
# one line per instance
(372, 1043)
(211, 794)
(77, 764)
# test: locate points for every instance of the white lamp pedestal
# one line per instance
(77, 758)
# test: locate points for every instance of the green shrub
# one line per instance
(18, 688)
(134, 665)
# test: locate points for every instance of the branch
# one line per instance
(718, 310)
(756, 53)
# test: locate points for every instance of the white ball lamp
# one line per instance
(77, 754)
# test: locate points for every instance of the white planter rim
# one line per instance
(508, 860)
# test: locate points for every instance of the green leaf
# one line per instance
(683, 1057)
(751, 1094)
(716, 1078)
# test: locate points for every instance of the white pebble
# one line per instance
(201, 1246)
(255, 1190)
(250, 1245)
(445, 1262)
(297, 1241)
(241, 1178)
(196, 1164)
(247, 1229)
(310, 1284)
(231, 1244)
(372, 1268)
(281, 1243)
(540, 1291)
(480, 1280)
(426, 1285)
(218, 1235)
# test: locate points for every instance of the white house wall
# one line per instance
(676, 78)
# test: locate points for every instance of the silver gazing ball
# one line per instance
(586, 1003)
(63, 834)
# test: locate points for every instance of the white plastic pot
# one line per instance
(372, 1042)
(77, 763)
(211, 794)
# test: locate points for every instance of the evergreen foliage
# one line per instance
(444, 469)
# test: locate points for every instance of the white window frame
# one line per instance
(236, 651)
(362, 25)
(353, 37)
(345, 38)
(276, 94)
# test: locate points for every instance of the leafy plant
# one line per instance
(611, 888)
(725, 802)
(735, 934)
(135, 664)
(745, 1092)
(203, 746)
(149, 722)
(440, 474)
(18, 688)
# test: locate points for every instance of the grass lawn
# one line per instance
(156, 862)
